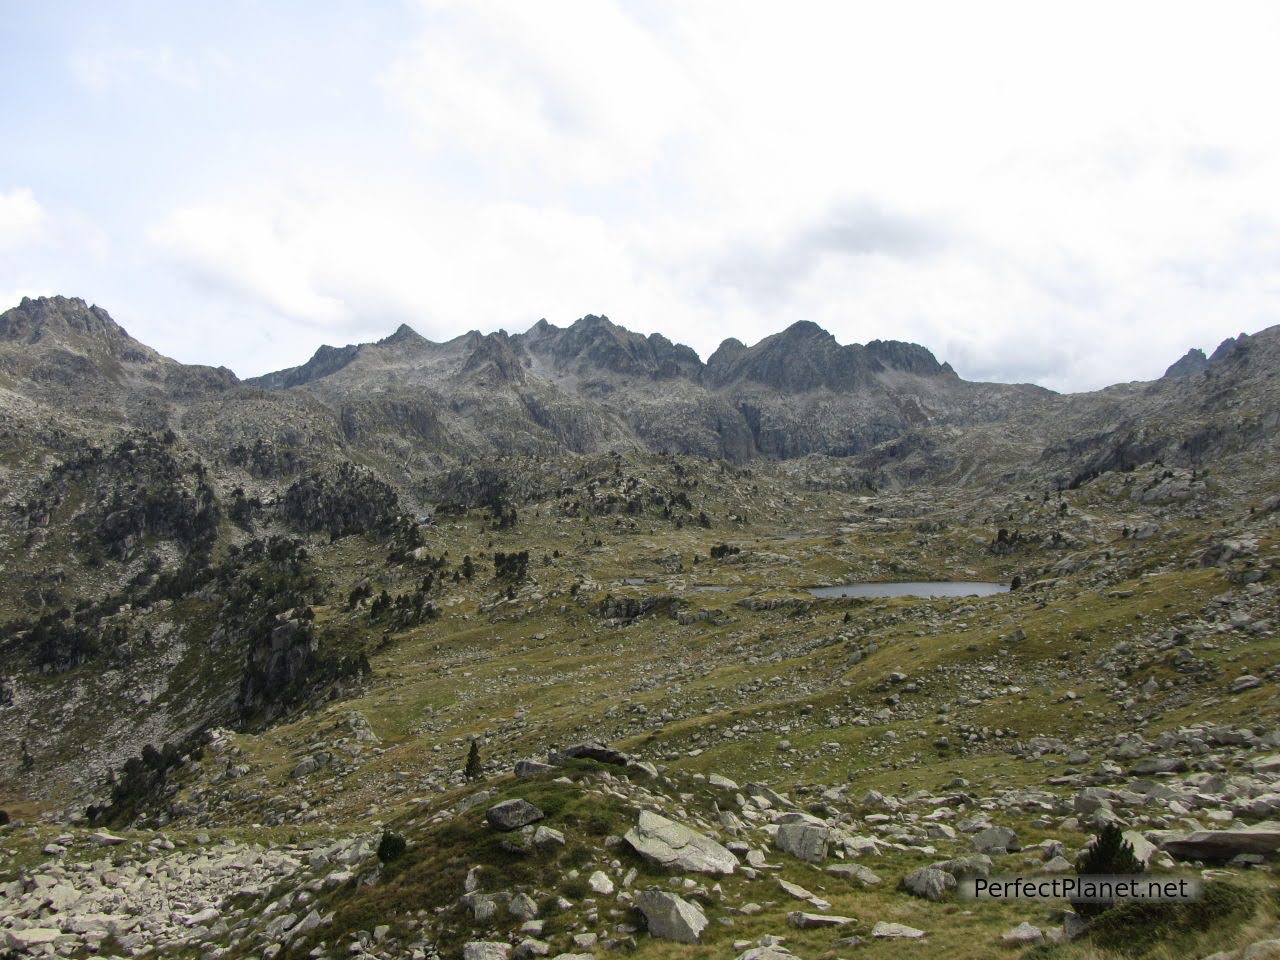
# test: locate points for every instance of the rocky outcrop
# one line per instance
(1192, 362)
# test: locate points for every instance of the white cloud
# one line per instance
(264, 257)
(22, 219)
(1072, 197)
(105, 70)
(572, 90)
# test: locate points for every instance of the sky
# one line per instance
(1066, 194)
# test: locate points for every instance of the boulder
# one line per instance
(928, 883)
(600, 883)
(895, 931)
(31, 938)
(512, 814)
(1222, 845)
(670, 917)
(591, 750)
(854, 871)
(996, 840)
(809, 921)
(674, 845)
(531, 768)
(485, 950)
(1023, 934)
(803, 841)
(547, 837)
(522, 907)
(1143, 848)
(774, 952)
(966, 868)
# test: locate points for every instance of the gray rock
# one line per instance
(531, 947)
(809, 921)
(522, 907)
(591, 750)
(766, 953)
(854, 871)
(1023, 934)
(1074, 926)
(31, 937)
(600, 883)
(547, 837)
(532, 768)
(803, 841)
(674, 845)
(1222, 845)
(929, 883)
(671, 917)
(486, 950)
(895, 931)
(512, 814)
(966, 868)
(996, 840)
(1143, 848)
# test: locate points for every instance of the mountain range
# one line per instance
(888, 410)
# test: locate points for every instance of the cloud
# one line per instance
(576, 90)
(260, 257)
(768, 272)
(1070, 198)
(105, 70)
(23, 220)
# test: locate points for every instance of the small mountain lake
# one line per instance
(915, 588)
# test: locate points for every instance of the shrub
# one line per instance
(391, 847)
(1135, 928)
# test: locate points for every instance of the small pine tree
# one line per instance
(473, 770)
(1110, 855)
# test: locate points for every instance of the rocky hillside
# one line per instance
(462, 651)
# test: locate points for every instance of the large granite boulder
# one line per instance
(674, 845)
(671, 917)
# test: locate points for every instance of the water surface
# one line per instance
(913, 588)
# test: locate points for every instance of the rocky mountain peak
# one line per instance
(1192, 362)
(72, 324)
(1229, 346)
(494, 359)
(404, 334)
(908, 357)
(805, 357)
(325, 361)
(805, 330)
(594, 344)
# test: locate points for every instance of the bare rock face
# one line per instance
(674, 845)
(1192, 362)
